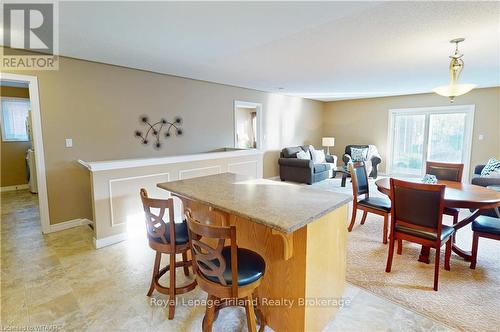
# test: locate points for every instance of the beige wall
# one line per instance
(365, 121)
(99, 105)
(13, 163)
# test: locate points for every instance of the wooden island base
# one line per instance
(308, 264)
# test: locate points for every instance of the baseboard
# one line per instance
(68, 224)
(107, 241)
(275, 178)
(14, 188)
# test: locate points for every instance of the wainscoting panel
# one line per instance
(248, 168)
(124, 200)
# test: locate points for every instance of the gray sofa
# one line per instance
(302, 170)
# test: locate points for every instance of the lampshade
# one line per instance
(454, 90)
(328, 141)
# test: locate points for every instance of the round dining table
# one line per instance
(456, 195)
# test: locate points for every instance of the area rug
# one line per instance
(467, 300)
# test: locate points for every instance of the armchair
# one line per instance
(347, 159)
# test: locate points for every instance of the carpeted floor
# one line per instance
(467, 300)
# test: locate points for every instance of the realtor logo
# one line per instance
(29, 36)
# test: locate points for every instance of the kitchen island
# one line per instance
(300, 231)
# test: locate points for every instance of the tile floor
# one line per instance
(60, 282)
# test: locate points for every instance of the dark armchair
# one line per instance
(303, 170)
(346, 158)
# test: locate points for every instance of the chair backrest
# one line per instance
(445, 171)
(417, 205)
(155, 223)
(207, 257)
(360, 185)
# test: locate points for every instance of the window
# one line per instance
(442, 134)
(14, 116)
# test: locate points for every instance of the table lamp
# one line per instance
(328, 141)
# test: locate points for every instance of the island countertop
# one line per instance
(282, 206)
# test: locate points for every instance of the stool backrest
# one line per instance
(155, 222)
(417, 205)
(445, 171)
(207, 257)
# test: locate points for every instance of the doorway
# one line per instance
(442, 134)
(19, 125)
(247, 125)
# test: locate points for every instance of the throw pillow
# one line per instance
(318, 156)
(358, 154)
(491, 166)
(495, 174)
(303, 155)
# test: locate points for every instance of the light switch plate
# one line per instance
(69, 142)
(481, 137)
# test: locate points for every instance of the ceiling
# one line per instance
(317, 50)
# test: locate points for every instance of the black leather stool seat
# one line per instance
(379, 203)
(251, 267)
(181, 233)
(446, 231)
(485, 224)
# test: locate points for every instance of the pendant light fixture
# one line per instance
(456, 66)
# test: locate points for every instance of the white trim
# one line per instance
(258, 107)
(69, 224)
(43, 202)
(107, 241)
(14, 188)
(96, 166)
(125, 179)
(469, 110)
(198, 169)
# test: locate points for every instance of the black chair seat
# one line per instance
(181, 233)
(378, 203)
(446, 231)
(451, 211)
(251, 267)
(485, 224)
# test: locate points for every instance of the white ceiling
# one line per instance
(318, 50)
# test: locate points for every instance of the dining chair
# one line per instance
(229, 274)
(446, 172)
(166, 237)
(417, 216)
(377, 205)
(483, 226)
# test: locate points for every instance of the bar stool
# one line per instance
(230, 275)
(166, 238)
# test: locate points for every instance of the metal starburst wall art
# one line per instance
(154, 132)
